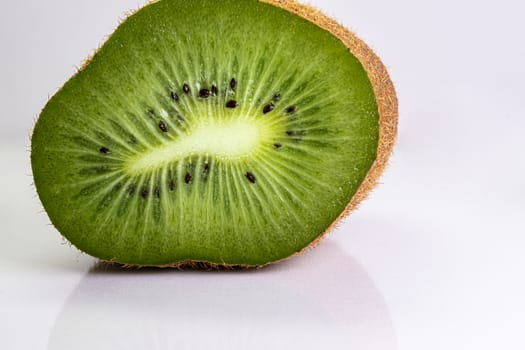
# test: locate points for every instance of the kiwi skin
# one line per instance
(388, 120)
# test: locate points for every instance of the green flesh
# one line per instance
(130, 174)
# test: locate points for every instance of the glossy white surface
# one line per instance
(432, 260)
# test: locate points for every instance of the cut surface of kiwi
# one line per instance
(232, 132)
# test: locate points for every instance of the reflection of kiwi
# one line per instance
(336, 307)
(233, 132)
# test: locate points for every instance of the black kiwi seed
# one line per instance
(104, 150)
(174, 96)
(206, 171)
(276, 97)
(144, 194)
(187, 178)
(186, 88)
(157, 192)
(214, 90)
(297, 134)
(277, 145)
(163, 127)
(171, 185)
(204, 93)
(233, 84)
(250, 177)
(291, 109)
(130, 190)
(268, 108)
(231, 104)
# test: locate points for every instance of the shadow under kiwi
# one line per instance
(323, 299)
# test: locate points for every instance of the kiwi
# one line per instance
(232, 132)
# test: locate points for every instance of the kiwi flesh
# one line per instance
(231, 133)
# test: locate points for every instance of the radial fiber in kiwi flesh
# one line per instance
(231, 132)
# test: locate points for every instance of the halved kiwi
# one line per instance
(232, 132)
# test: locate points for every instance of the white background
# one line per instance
(434, 259)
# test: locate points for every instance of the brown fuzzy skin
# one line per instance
(388, 119)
